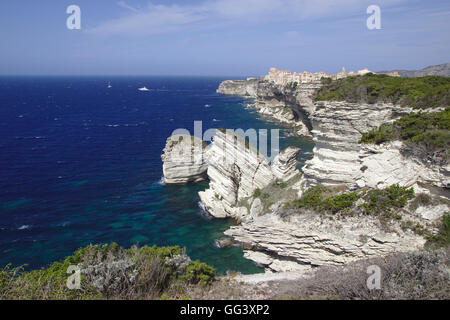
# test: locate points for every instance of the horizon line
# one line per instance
(118, 75)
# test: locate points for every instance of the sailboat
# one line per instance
(109, 85)
(143, 89)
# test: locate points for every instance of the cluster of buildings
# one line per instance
(284, 77)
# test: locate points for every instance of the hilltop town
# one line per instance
(284, 77)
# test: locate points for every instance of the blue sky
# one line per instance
(220, 37)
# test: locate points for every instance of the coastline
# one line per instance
(298, 244)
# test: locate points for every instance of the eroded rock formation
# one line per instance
(308, 240)
(184, 160)
(245, 186)
(235, 171)
(284, 166)
(287, 105)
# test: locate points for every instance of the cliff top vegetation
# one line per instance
(110, 272)
(432, 130)
(419, 93)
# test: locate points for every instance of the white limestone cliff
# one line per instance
(336, 127)
(235, 171)
(303, 241)
(284, 166)
(281, 104)
(310, 240)
(183, 160)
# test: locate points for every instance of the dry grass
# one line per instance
(417, 275)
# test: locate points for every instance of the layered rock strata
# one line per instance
(184, 160)
(310, 240)
(287, 105)
(336, 127)
(284, 165)
(235, 171)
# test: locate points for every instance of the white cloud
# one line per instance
(155, 19)
(123, 4)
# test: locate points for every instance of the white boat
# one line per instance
(143, 89)
(109, 85)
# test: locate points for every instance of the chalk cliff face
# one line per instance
(298, 242)
(183, 160)
(287, 105)
(235, 171)
(310, 240)
(284, 166)
(396, 162)
(340, 159)
(303, 241)
(336, 128)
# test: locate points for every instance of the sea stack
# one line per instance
(236, 169)
(184, 160)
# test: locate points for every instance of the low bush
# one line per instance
(108, 272)
(442, 238)
(423, 92)
(199, 273)
(416, 275)
(341, 202)
(257, 193)
(320, 198)
(429, 129)
(381, 202)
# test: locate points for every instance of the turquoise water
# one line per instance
(80, 163)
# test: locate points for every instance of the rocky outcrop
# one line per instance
(337, 128)
(395, 162)
(286, 105)
(242, 88)
(184, 160)
(235, 171)
(340, 159)
(310, 240)
(284, 166)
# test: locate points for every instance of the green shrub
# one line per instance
(321, 199)
(380, 202)
(108, 272)
(162, 253)
(423, 92)
(257, 193)
(442, 238)
(311, 199)
(341, 202)
(382, 134)
(199, 273)
(430, 129)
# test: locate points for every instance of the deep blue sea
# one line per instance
(81, 163)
